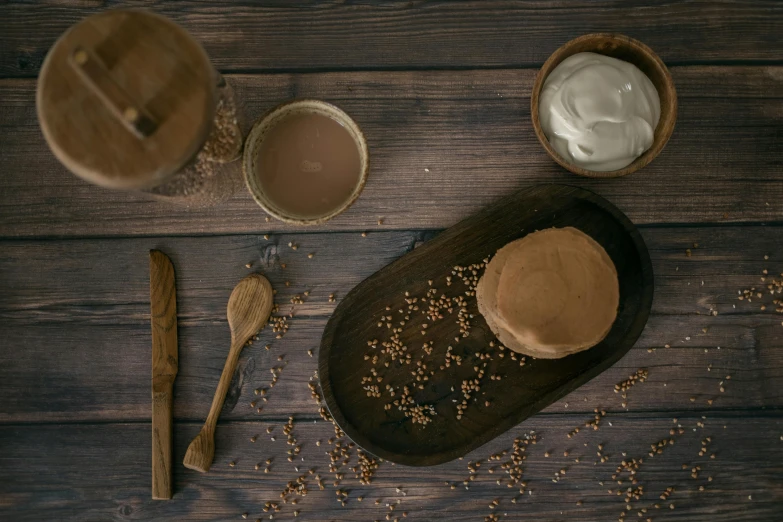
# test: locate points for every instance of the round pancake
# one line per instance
(550, 294)
(558, 293)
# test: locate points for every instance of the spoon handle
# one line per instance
(222, 387)
(202, 449)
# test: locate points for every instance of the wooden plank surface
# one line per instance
(76, 312)
(105, 281)
(74, 362)
(443, 145)
(110, 388)
(307, 34)
(92, 472)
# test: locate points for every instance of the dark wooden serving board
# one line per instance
(523, 391)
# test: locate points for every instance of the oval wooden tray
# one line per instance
(523, 390)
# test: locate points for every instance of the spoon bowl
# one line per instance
(249, 306)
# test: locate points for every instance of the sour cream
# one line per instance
(599, 112)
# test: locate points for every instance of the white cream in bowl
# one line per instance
(599, 112)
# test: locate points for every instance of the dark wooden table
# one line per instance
(441, 90)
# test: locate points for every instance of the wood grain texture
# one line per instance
(77, 312)
(74, 313)
(61, 388)
(442, 146)
(301, 35)
(165, 355)
(445, 433)
(99, 472)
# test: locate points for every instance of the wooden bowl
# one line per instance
(267, 122)
(626, 49)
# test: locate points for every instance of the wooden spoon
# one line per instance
(248, 310)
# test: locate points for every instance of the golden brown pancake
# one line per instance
(550, 294)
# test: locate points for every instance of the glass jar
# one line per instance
(215, 173)
(128, 100)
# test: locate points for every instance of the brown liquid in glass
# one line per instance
(308, 164)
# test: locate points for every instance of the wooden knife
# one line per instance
(163, 315)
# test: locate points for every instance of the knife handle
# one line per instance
(162, 401)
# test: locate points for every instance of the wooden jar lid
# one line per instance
(126, 98)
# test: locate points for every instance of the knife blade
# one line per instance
(165, 362)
